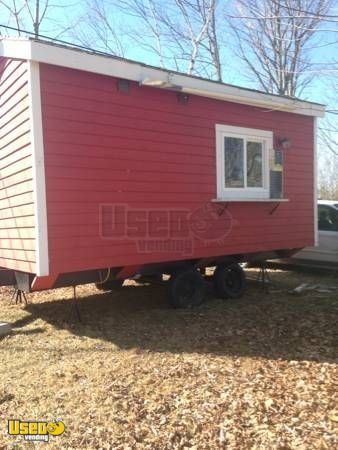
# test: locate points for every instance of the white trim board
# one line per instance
(39, 183)
(315, 181)
(117, 67)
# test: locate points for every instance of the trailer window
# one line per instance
(233, 162)
(242, 162)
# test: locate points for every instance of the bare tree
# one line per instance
(13, 12)
(197, 31)
(213, 46)
(181, 33)
(273, 39)
(150, 32)
(28, 16)
(327, 176)
(328, 136)
(98, 29)
(37, 12)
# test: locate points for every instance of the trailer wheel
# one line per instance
(187, 289)
(110, 285)
(229, 281)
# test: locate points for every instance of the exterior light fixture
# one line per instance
(284, 143)
(123, 86)
(160, 84)
(183, 98)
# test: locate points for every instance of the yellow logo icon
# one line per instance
(35, 431)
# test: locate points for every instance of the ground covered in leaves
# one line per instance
(254, 373)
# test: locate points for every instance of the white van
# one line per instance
(327, 249)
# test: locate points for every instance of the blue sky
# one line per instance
(68, 15)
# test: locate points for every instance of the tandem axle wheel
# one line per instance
(229, 281)
(187, 288)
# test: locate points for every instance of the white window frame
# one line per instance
(247, 134)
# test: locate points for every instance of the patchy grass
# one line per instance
(254, 373)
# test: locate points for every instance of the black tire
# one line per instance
(187, 289)
(229, 281)
(110, 285)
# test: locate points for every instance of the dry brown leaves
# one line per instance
(256, 373)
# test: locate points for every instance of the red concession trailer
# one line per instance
(110, 169)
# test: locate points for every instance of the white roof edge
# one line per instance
(68, 57)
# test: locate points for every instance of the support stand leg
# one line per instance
(19, 296)
(76, 306)
(264, 277)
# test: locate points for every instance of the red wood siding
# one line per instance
(156, 156)
(17, 233)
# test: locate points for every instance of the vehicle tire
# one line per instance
(229, 281)
(187, 289)
(110, 285)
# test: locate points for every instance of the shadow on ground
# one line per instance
(270, 325)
